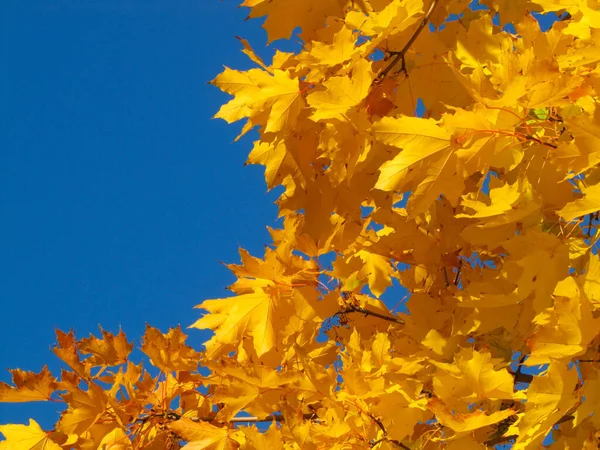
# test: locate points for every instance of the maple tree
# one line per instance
(420, 143)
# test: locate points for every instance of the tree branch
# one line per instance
(384, 438)
(368, 312)
(170, 415)
(539, 141)
(446, 282)
(399, 56)
(503, 439)
(457, 278)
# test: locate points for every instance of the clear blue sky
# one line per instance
(119, 194)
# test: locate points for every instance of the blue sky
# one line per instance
(119, 196)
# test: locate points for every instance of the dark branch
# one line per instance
(539, 141)
(368, 312)
(399, 56)
(457, 278)
(172, 416)
(384, 438)
(500, 440)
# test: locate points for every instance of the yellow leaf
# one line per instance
(563, 331)
(26, 437)
(473, 375)
(419, 139)
(549, 397)
(378, 269)
(590, 203)
(271, 440)
(462, 423)
(29, 386)
(279, 162)
(342, 93)
(117, 439)
(110, 350)
(67, 351)
(168, 351)
(257, 92)
(412, 132)
(483, 377)
(591, 280)
(426, 164)
(233, 318)
(201, 435)
(388, 19)
(340, 50)
(253, 56)
(522, 266)
(85, 408)
(283, 16)
(585, 129)
(509, 203)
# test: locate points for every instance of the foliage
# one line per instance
(419, 143)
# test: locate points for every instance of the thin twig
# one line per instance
(503, 439)
(393, 441)
(400, 55)
(529, 137)
(384, 438)
(457, 278)
(368, 312)
(500, 440)
(170, 415)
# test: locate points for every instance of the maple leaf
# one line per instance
(256, 91)
(565, 330)
(508, 204)
(233, 318)
(202, 435)
(590, 203)
(29, 386)
(272, 439)
(472, 375)
(255, 389)
(285, 15)
(111, 350)
(279, 162)
(549, 397)
(378, 271)
(168, 351)
(30, 437)
(427, 156)
(68, 352)
(342, 93)
(85, 408)
(462, 423)
(116, 440)
(340, 50)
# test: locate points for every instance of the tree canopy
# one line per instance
(435, 282)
